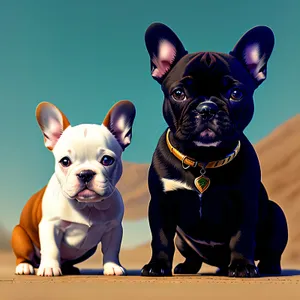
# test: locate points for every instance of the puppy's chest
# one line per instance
(216, 206)
(82, 236)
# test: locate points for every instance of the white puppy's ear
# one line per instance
(52, 123)
(119, 121)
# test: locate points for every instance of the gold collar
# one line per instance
(190, 162)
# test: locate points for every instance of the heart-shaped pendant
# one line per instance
(202, 183)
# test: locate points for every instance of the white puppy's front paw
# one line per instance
(113, 269)
(24, 269)
(51, 268)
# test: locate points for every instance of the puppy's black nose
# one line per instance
(207, 109)
(86, 175)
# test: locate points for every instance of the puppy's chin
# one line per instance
(90, 196)
(207, 138)
(207, 144)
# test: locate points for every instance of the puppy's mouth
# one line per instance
(207, 133)
(87, 195)
(207, 138)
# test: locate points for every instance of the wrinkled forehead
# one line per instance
(209, 63)
(200, 63)
(88, 137)
(206, 71)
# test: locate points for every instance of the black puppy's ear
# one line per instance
(254, 50)
(165, 49)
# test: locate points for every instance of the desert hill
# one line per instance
(279, 155)
(4, 239)
(133, 186)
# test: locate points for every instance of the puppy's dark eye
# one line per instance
(178, 95)
(65, 162)
(107, 160)
(236, 94)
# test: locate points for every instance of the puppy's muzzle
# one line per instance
(86, 176)
(207, 110)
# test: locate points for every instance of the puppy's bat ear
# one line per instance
(119, 121)
(165, 50)
(52, 123)
(254, 50)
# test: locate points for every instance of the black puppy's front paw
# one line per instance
(242, 268)
(156, 269)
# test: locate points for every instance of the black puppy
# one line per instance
(205, 178)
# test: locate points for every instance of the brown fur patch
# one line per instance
(26, 234)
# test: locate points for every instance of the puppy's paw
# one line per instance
(185, 268)
(156, 269)
(113, 269)
(24, 269)
(70, 270)
(242, 268)
(269, 269)
(48, 269)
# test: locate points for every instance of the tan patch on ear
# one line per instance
(66, 122)
(106, 120)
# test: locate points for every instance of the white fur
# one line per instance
(85, 152)
(200, 144)
(173, 185)
(70, 228)
(24, 269)
(113, 269)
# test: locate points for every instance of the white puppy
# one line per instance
(62, 224)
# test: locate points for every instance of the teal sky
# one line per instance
(86, 55)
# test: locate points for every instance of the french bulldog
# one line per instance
(63, 223)
(205, 177)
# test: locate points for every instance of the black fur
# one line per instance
(234, 223)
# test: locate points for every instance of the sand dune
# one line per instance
(4, 239)
(279, 155)
(134, 189)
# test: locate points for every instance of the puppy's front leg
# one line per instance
(242, 243)
(50, 239)
(111, 244)
(162, 219)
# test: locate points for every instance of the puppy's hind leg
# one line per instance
(24, 251)
(271, 241)
(193, 261)
(111, 244)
